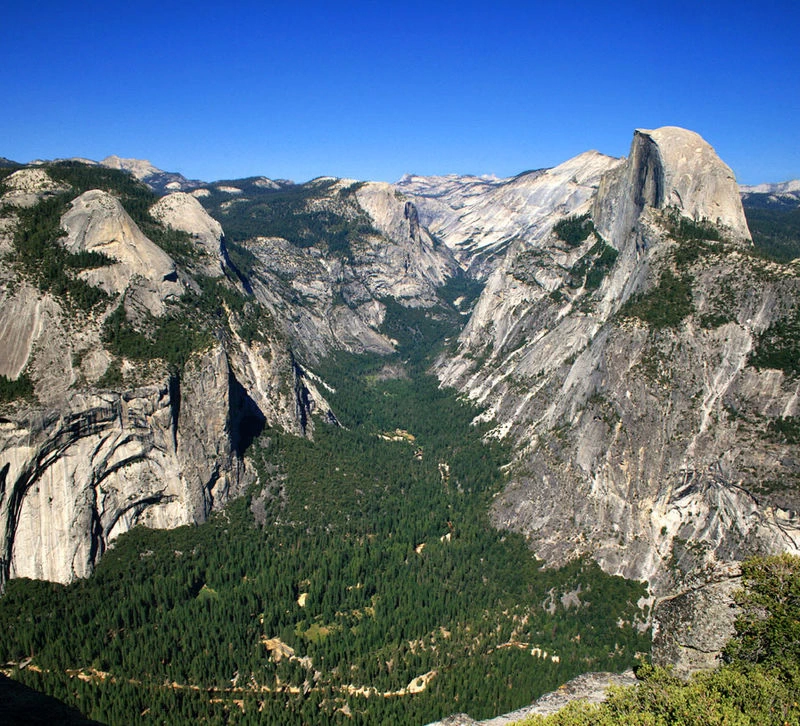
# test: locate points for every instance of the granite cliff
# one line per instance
(144, 399)
(629, 363)
(106, 439)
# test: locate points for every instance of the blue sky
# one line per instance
(372, 90)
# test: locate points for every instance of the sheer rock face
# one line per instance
(337, 309)
(630, 441)
(20, 326)
(75, 478)
(687, 642)
(411, 266)
(669, 167)
(183, 212)
(94, 462)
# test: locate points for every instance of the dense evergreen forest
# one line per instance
(359, 582)
(775, 226)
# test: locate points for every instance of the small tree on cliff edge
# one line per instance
(768, 627)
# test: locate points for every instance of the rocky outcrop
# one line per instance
(90, 455)
(630, 433)
(685, 641)
(97, 222)
(20, 327)
(27, 186)
(183, 212)
(590, 687)
(411, 266)
(669, 167)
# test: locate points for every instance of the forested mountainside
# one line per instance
(773, 215)
(247, 365)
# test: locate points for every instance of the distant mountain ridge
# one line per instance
(783, 196)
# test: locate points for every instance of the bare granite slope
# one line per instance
(641, 430)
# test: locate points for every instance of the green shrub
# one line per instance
(779, 345)
(172, 338)
(14, 388)
(574, 229)
(768, 627)
(683, 229)
(604, 258)
(786, 428)
(666, 305)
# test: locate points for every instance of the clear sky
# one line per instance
(372, 90)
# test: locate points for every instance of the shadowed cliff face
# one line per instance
(641, 426)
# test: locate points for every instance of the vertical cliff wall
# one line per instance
(627, 382)
(105, 439)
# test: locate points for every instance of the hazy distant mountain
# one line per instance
(161, 182)
(783, 195)
(773, 214)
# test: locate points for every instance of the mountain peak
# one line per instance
(140, 168)
(669, 167)
(695, 179)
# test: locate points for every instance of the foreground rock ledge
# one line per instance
(589, 687)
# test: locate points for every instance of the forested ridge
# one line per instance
(359, 582)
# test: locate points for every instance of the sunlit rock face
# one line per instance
(27, 186)
(183, 212)
(629, 437)
(479, 217)
(75, 478)
(97, 222)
